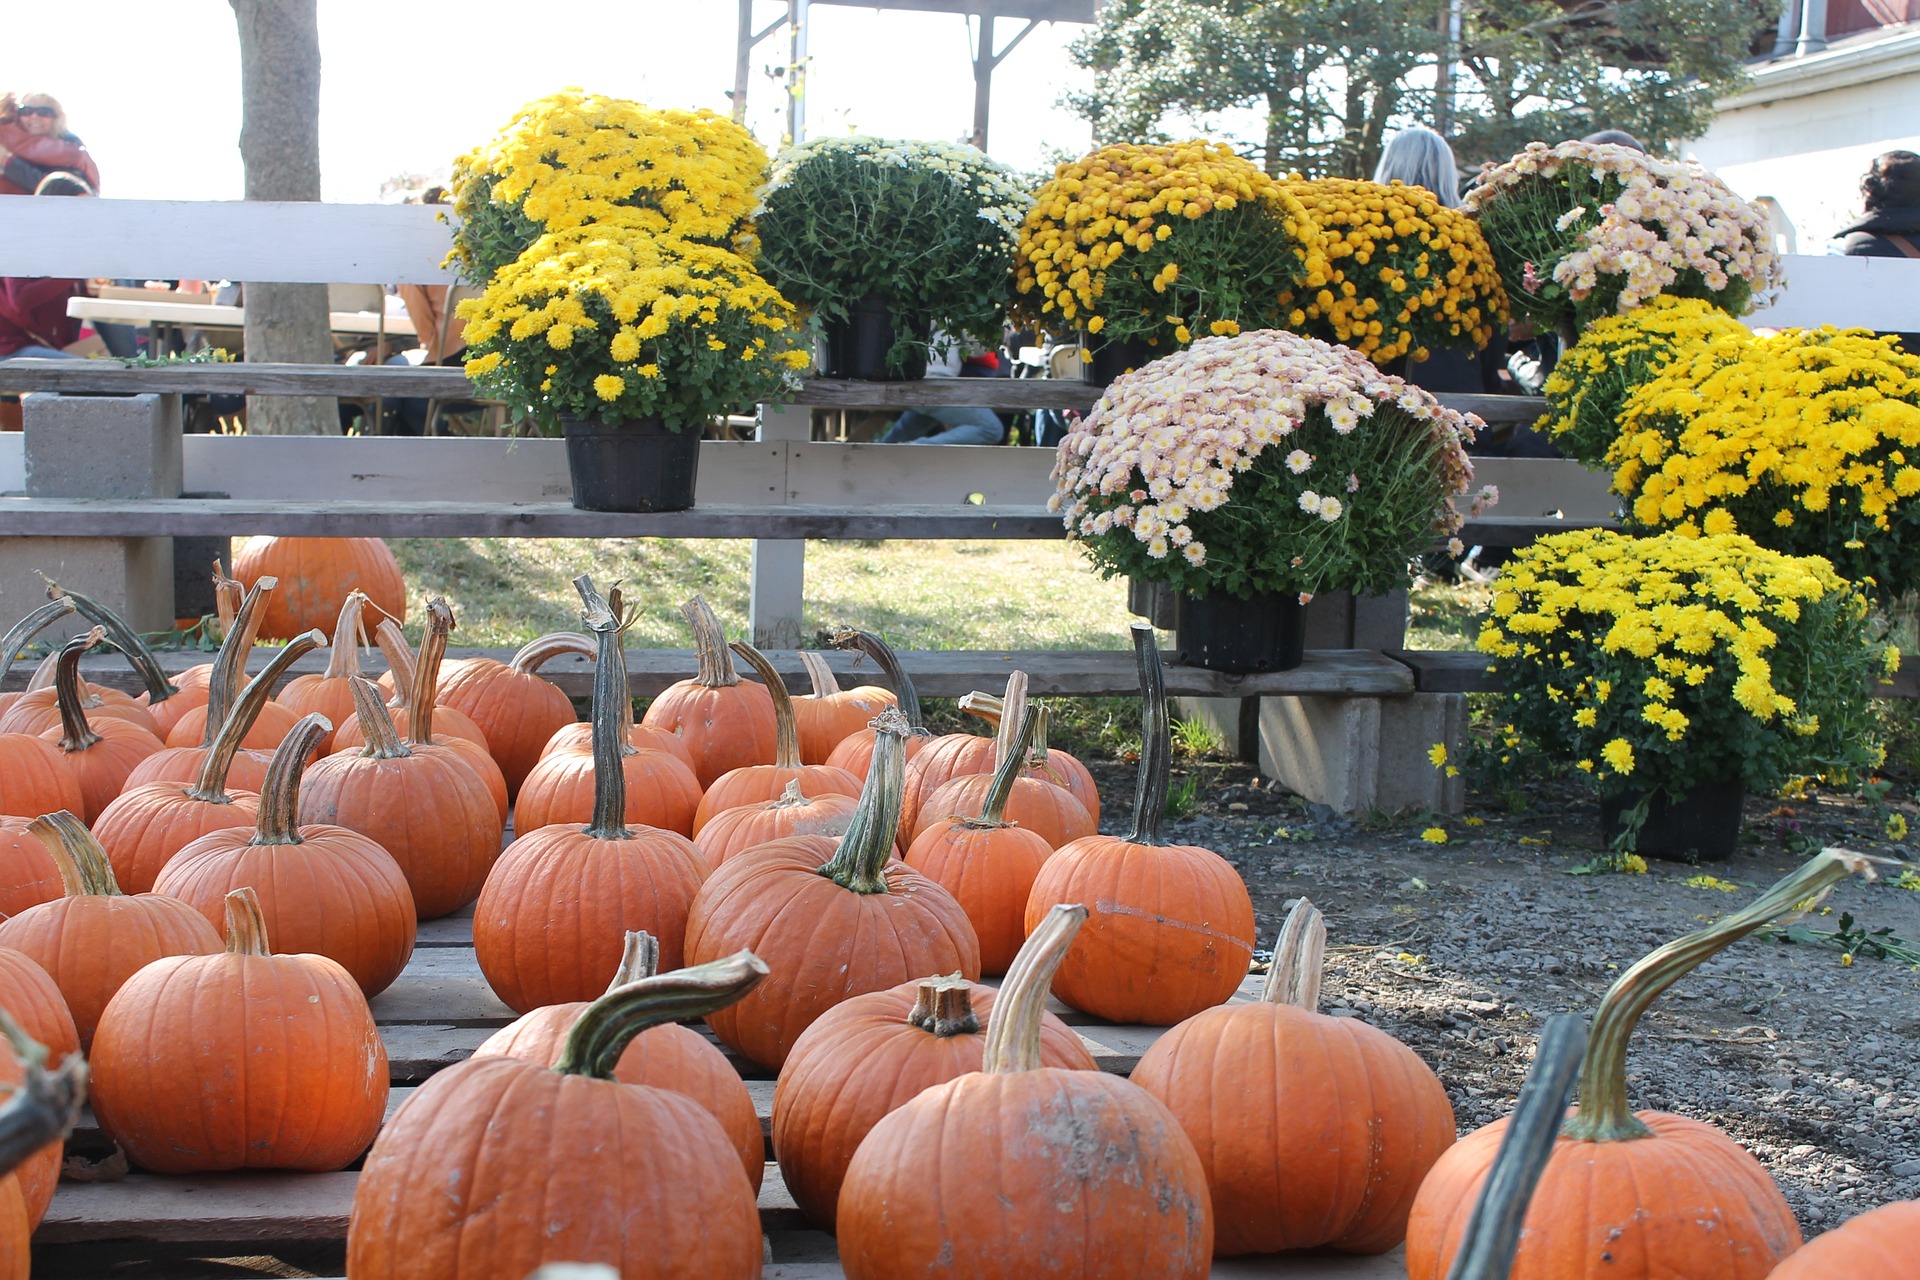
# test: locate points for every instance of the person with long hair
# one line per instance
(35, 143)
(1420, 157)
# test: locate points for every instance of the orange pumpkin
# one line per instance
(1021, 1169)
(650, 1186)
(855, 752)
(28, 994)
(756, 783)
(830, 714)
(794, 813)
(27, 873)
(326, 692)
(1050, 812)
(324, 891)
(954, 755)
(555, 910)
(669, 1056)
(726, 722)
(1626, 1196)
(861, 922)
(101, 754)
(1049, 764)
(1314, 1131)
(1172, 926)
(316, 574)
(397, 684)
(164, 699)
(515, 707)
(240, 1060)
(1878, 1244)
(577, 738)
(41, 1108)
(869, 1056)
(38, 709)
(34, 777)
(94, 938)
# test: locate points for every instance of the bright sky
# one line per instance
(153, 88)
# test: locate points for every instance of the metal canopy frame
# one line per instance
(985, 56)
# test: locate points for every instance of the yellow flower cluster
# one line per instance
(1406, 273)
(1141, 240)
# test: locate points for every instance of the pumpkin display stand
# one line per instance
(1703, 824)
(642, 465)
(1222, 632)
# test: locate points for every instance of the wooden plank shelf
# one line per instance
(1465, 671)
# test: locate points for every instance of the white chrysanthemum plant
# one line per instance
(1265, 464)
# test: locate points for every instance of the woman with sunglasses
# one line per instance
(34, 142)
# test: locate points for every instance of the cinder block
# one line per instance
(102, 446)
(131, 576)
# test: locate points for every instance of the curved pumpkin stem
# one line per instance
(426, 672)
(279, 820)
(537, 652)
(227, 597)
(906, 696)
(28, 627)
(83, 865)
(75, 733)
(709, 646)
(609, 695)
(1604, 1114)
(246, 926)
(1009, 769)
(392, 642)
(349, 633)
(211, 785)
(1156, 741)
(44, 674)
(1299, 959)
(786, 751)
(1492, 1236)
(1013, 1032)
(376, 726)
(640, 958)
(1013, 716)
(47, 1104)
(944, 1007)
(859, 863)
(125, 639)
(819, 674)
(230, 664)
(602, 1033)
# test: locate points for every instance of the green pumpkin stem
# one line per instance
(906, 697)
(279, 820)
(602, 1033)
(1493, 1232)
(1604, 1114)
(639, 958)
(610, 693)
(230, 664)
(376, 726)
(349, 633)
(210, 786)
(246, 925)
(860, 862)
(125, 639)
(426, 672)
(82, 863)
(75, 733)
(819, 674)
(1299, 959)
(1156, 741)
(944, 1007)
(786, 751)
(46, 1105)
(709, 646)
(1013, 1029)
(28, 627)
(1010, 768)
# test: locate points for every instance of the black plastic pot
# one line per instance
(1225, 633)
(1108, 360)
(857, 346)
(1703, 825)
(630, 466)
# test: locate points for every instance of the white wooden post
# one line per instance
(779, 565)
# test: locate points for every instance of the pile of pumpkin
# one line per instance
(825, 885)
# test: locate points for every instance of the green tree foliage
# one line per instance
(1328, 80)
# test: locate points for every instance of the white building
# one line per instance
(1842, 86)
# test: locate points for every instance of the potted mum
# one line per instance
(888, 242)
(1250, 472)
(1680, 672)
(1146, 247)
(1583, 230)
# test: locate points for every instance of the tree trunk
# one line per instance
(280, 146)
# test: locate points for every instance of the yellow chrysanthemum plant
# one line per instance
(1615, 356)
(1407, 274)
(603, 323)
(1662, 664)
(574, 158)
(1164, 244)
(1806, 441)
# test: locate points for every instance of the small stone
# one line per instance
(1804, 1149)
(1907, 1169)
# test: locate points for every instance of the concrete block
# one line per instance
(103, 446)
(131, 576)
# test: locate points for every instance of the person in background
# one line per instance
(1616, 138)
(33, 309)
(1890, 192)
(952, 424)
(1420, 157)
(35, 142)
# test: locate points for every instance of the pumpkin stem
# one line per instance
(709, 646)
(43, 674)
(944, 1007)
(541, 650)
(227, 597)
(1010, 768)
(860, 862)
(210, 786)
(640, 958)
(349, 633)
(376, 726)
(609, 695)
(426, 672)
(125, 639)
(28, 627)
(1493, 1232)
(786, 751)
(83, 865)
(279, 820)
(399, 655)
(1604, 1114)
(790, 798)
(46, 1105)
(905, 695)
(230, 664)
(602, 1033)
(75, 733)
(819, 674)
(1156, 741)
(1013, 1029)
(246, 926)
(1013, 715)
(1299, 959)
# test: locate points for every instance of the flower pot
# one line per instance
(630, 466)
(857, 346)
(1223, 632)
(1108, 360)
(1702, 825)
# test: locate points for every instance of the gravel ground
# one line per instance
(1462, 949)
